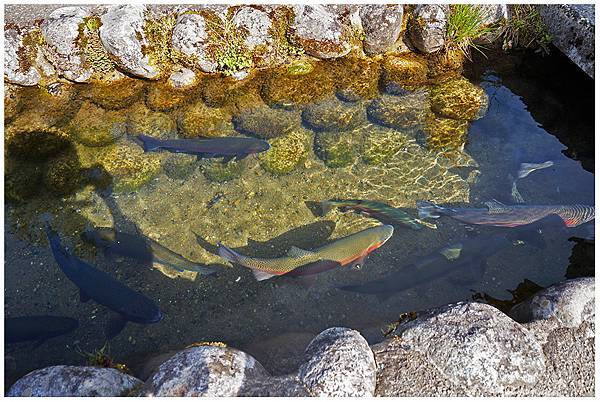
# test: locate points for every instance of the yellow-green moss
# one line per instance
(163, 97)
(265, 122)
(333, 115)
(179, 166)
(94, 54)
(381, 144)
(399, 112)
(35, 141)
(12, 102)
(45, 109)
(286, 152)
(458, 99)
(446, 63)
(199, 120)
(96, 127)
(219, 172)
(406, 71)
(64, 174)
(141, 120)
(159, 34)
(27, 53)
(115, 94)
(300, 67)
(445, 134)
(337, 149)
(356, 78)
(227, 92)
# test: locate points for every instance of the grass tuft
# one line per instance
(526, 29)
(466, 23)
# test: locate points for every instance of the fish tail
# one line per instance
(149, 143)
(427, 209)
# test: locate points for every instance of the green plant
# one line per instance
(228, 47)
(159, 33)
(100, 358)
(466, 23)
(525, 28)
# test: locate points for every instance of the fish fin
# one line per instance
(427, 209)
(452, 252)
(261, 275)
(227, 158)
(298, 252)
(239, 157)
(116, 323)
(228, 254)
(83, 297)
(149, 144)
(358, 264)
(496, 207)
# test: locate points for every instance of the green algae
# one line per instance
(265, 122)
(96, 127)
(337, 149)
(162, 97)
(199, 120)
(333, 115)
(117, 94)
(159, 49)
(406, 70)
(403, 113)
(141, 120)
(356, 78)
(458, 99)
(445, 134)
(219, 172)
(94, 54)
(287, 152)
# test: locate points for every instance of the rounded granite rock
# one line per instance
(198, 120)
(286, 152)
(265, 122)
(35, 141)
(382, 24)
(337, 149)
(339, 363)
(380, 144)
(70, 381)
(403, 72)
(427, 27)
(458, 99)
(334, 115)
(405, 113)
(205, 371)
(95, 127)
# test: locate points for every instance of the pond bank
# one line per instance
(544, 347)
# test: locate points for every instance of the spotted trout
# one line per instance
(498, 214)
(376, 209)
(348, 251)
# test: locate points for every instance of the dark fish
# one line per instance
(225, 147)
(375, 209)
(37, 328)
(94, 284)
(498, 214)
(468, 255)
(142, 249)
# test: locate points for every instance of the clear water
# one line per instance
(530, 118)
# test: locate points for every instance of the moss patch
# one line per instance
(64, 174)
(265, 122)
(458, 99)
(94, 54)
(405, 71)
(286, 152)
(219, 172)
(199, 120)
(337, 149)
(400, 112)
(334, 115)
(163, 97)
(445, 134)
(114, 95)
(96, 127)
(141, 120)
(356, 78)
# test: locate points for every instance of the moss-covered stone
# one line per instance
(337, 149)
(96, 127)
(286, 152)
(21, 179)
(179, 166)
(12, 102)
(300, 67)
(446, 63)
(291, 90)
(405, 71)
(458, 99)
(93, 52)
(230, 93)
(164, 97)
(334, 115)
(35, 141)
(51, 106)
(445, 134)
(356, 78)
(64, 174)
(159, 34)
(380, 144)
(217, 171)
(141, 120)
(117, 94)
(400, 112)
(199, 120)
(265, 122)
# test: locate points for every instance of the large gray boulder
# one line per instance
(256, 25)
(205, 371)
(340, 363)
(61, 31)
(122, 34)
(320, 32)
(18, 69)
(382, 24)
(190, 37)
(427, 27)
(74, 381)
(475, 346)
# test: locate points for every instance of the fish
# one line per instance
(376, 209)
(499, 214)
(468, 256)
(38, 328)
(350, 251)
(526, 168)
(142, 249)
(225, 147)
(128, 304)
(514, 191)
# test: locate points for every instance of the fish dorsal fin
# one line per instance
(298, 252)
(452, 252)
(496, 207)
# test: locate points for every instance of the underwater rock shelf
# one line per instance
(544, 347)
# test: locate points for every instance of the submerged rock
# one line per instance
(445, 134)
(183, 78)
(69, 381)
(337, 149)
(163, 97)
(319, 32)
(404, 72)
(199, 120)
(191, 38)
(286, 152)
(404, 113)
(333, 115)
(382, 25)
(475, 346)
(61, 32)
(19, 56)
(427, 27)
(205, 371)
(21, 179)
(64, 174)
(179, 166)
(380, 144)
(141, 120)
(224, 91)
(219, 172)
(95, 127)
(35, 141)
(458, 99)
(338, 363)
(13, 102)
(356, 78)
(122, 34)
(117, 94)
(265, 122)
